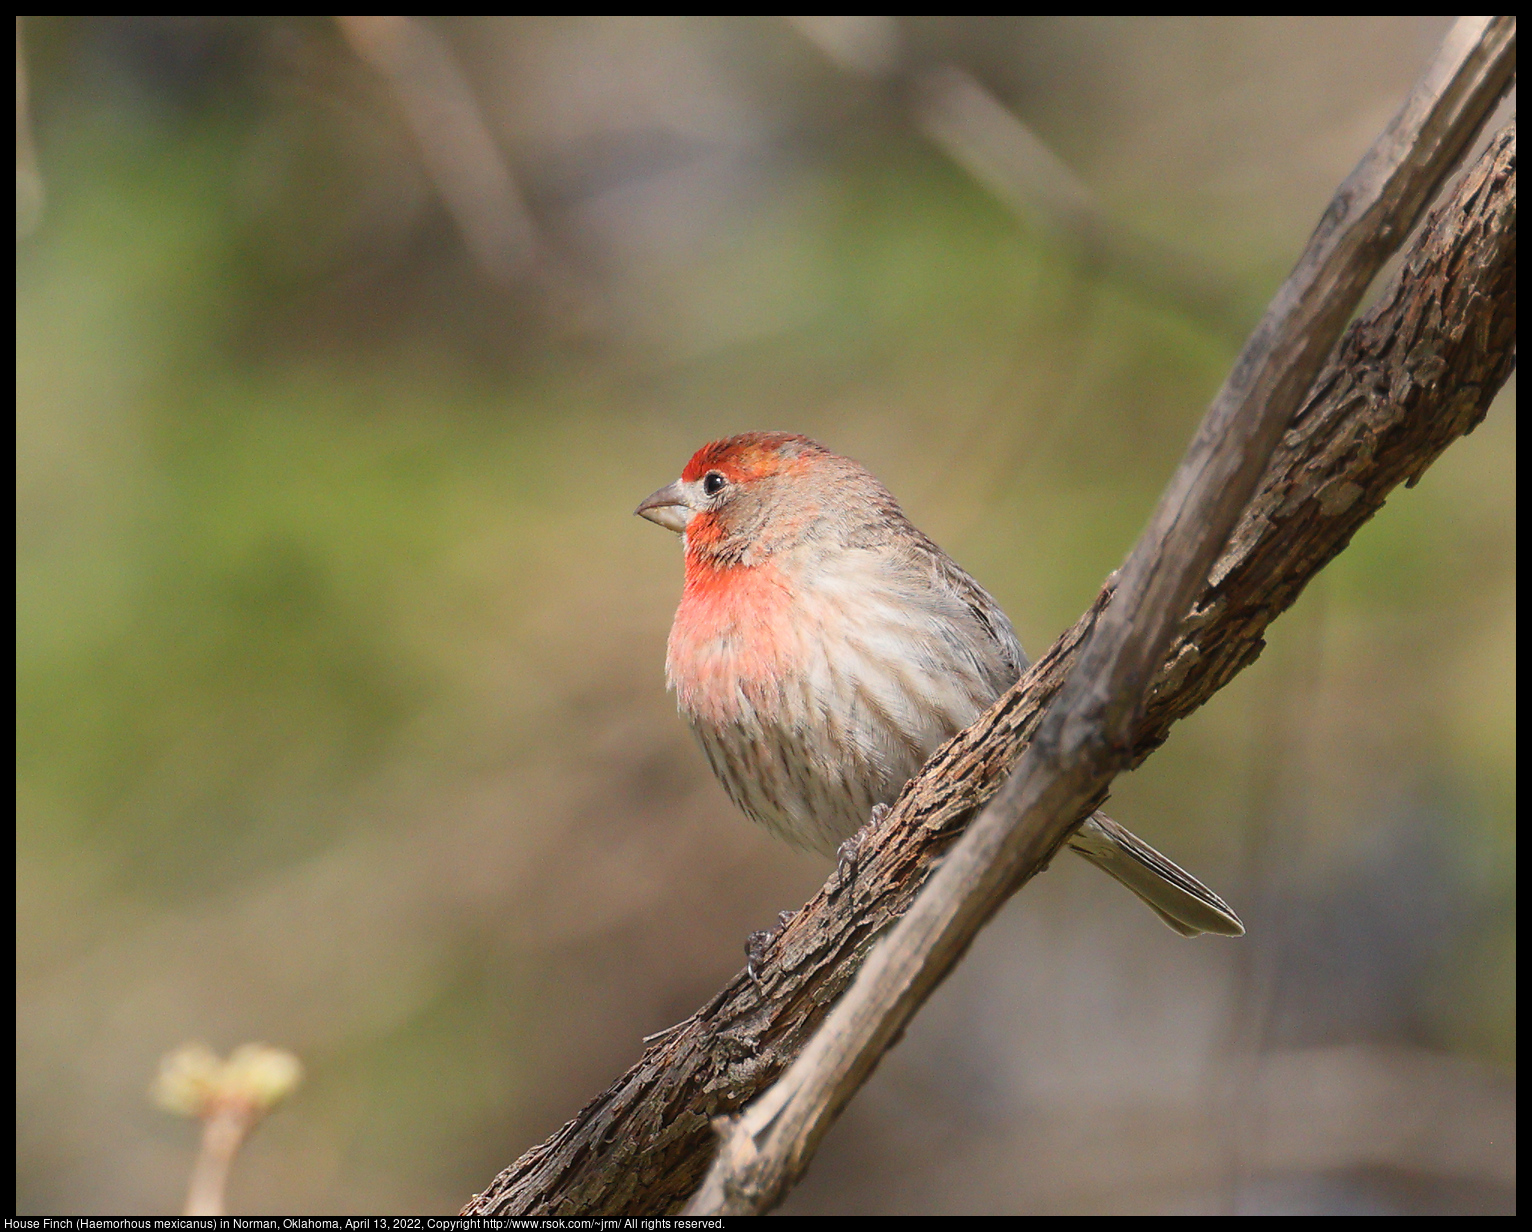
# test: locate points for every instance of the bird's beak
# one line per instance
(669, 507)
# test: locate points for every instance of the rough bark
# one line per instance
(1412, 375)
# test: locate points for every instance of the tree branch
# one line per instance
(1415, 373)
(1084, 740)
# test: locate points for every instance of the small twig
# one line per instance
(223, 1131)
(966, 121)
(29, 180)
(1086, 737)
(867, 44)
(989, 141)
(229, 1098)
(460, 155)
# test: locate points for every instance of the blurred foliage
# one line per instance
(340, 701)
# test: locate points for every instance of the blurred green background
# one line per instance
(341, 709)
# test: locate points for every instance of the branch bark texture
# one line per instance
(1412, 375)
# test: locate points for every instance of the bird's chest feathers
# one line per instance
(740, 633)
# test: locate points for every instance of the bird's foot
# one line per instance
(849, 854)
(759, 942)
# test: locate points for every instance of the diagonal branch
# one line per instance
(1416, 372)
(1084, 740)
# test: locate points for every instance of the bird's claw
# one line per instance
(756, 945)
(845, 860)
(758, 942)
(848, 855)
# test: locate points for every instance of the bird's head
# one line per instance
(742, 498)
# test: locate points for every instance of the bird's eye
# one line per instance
(713, 482)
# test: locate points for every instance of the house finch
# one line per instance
(824, 648)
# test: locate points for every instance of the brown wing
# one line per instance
(1005, 660)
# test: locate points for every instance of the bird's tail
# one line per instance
(1175, 895)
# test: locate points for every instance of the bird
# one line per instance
(824, 648)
